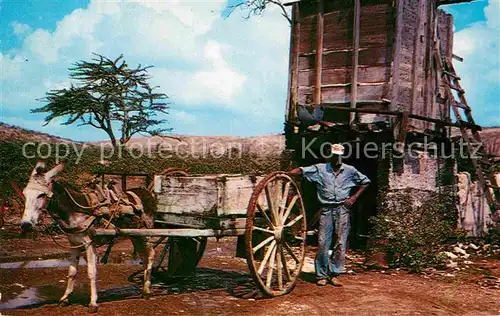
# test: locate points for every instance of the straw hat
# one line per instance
(337, 149)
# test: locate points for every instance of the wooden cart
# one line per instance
(267, 210)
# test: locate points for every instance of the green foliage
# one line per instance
(493, 236)
(15, 166)
(108, 94)
(413, 229)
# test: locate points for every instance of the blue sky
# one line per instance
(224, 76)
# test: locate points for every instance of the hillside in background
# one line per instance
(267, 145)
(19, 134)
(491, 138)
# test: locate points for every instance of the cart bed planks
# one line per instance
(207, 196)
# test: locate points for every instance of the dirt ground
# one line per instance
(223, 286)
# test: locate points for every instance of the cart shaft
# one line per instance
(174, 232)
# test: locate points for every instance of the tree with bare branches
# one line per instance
(110, 96)
(257, 7)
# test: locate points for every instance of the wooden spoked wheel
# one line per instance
(276, 234)
(164, 246)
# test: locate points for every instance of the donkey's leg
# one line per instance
(92, 273)
(148, 256)
(72, 272)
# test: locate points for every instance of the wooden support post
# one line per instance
(319, 52)
(355, 59)
(415, 64)
(429, 97)
(291, 113)
(403, 125)
(397, 53)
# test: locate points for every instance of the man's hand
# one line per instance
(296, 171)
(350, 202)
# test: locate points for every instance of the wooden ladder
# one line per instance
(484, 167)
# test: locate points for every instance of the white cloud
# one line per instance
(492, 13)
(479, 45)
(20, 29)
(215, 82)
(182, 117)
(10, 67)
(199, 16)
(42, 44)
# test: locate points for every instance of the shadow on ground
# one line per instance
(238, 284)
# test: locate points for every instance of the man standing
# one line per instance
(335, 182)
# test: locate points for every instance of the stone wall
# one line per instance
(424, 176)
(417, 171)
(473, 210)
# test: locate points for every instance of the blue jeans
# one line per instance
(334, 219)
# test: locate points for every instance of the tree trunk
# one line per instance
(111, 137)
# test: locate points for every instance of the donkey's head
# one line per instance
(37, 193)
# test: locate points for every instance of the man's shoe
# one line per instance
(335, 281)
(322, 282)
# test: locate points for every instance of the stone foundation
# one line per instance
(474, 214)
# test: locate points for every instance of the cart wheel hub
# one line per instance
(278, 233)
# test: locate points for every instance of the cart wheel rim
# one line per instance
(276, 234)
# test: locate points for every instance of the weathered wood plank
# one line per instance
(207, 196)
(368, 56)
(319, 52)
(307, 34)
(366, 74)
(198, 222)
(355, 55)
(343, 94)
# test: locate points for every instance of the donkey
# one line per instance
(64, 206)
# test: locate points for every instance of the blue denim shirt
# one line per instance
(334, 189)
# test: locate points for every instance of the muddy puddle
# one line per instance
(60, 263)
(23, 297)
(237, 283)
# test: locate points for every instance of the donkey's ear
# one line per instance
(49, 176)
(39, 168)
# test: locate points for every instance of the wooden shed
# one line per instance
(364, 59)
